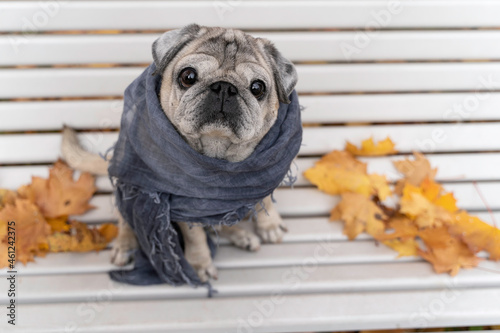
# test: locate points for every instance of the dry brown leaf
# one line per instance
(359, 214)
(60, 195)
(31, 229)
(477, 234)
(446, 253)
(369, 148)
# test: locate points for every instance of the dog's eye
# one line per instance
(258, 88)
(187, 77)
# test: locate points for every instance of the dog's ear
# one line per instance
(170, 43)
(284, 71)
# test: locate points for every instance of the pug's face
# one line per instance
(221, 89)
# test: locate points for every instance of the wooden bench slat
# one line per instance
(437, 107)
(311, 202)
(92, 15)
(229, 257)
(339, 78)
(244, 282)
(297, 46)
(451, 167)
(291, 313)
(466, 137)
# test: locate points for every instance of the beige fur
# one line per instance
(218, 55)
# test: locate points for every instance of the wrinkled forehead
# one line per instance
(230, 48)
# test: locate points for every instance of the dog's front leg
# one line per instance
(269, 224)
(197, 252)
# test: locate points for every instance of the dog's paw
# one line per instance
(270, 228)
(206, 271)
(201, 261)
(121, 256)
(245, 239)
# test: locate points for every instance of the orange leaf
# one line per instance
(359, 214)
(60, 195)
(477, 234)
(369, 148)
(446, 253)
(31, 229)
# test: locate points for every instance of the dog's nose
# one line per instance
(224, 89)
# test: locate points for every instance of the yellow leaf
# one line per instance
(59, 224)
(448, 202)
(81, 238)
(405, 248)
(380, 186)
(369, 148)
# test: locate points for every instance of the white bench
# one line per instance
(413, 79)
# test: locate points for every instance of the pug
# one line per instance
(242, 80)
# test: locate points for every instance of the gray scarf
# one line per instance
(159, 179)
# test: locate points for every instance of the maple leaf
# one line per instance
(446, 253)
(31, 228)
(369, 148)
(402, 227)
(339, 172)
(359, 214)
(60, 195)
(477, 234)
(414, 171)
(81, 238)
(416, 206)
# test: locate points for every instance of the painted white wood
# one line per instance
(297, 46)
(74, 15)
(52, 115)
(291, 313)
(467, 137)
(228, 257)
(244, 282)
(451, 167)
(303, 202)
(75, 82)
(329, 109)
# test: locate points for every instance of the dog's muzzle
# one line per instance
(222, 106)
